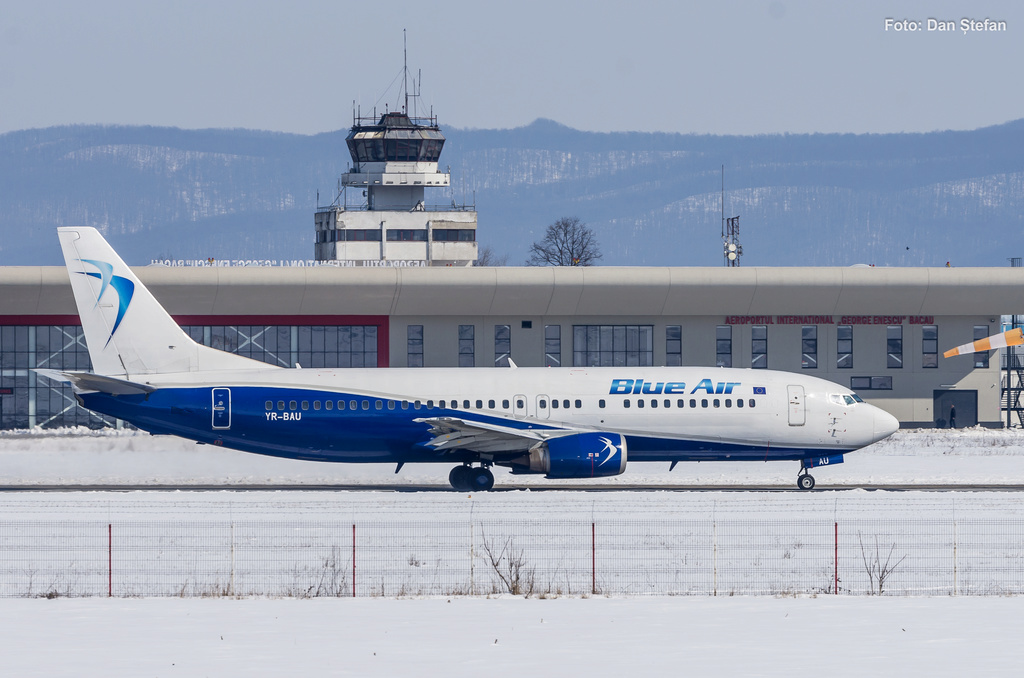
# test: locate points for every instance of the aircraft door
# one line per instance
(221, 408)
(519, 406)
(543, 402)
(797, 409)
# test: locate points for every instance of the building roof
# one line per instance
(529, 291)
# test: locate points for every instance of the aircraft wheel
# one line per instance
(459, 478)
(805, 482)
(480, 479)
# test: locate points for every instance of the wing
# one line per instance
(456, 434)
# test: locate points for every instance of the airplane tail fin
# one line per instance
(1014, 337)
(127, 330)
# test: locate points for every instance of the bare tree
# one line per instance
(567, 242)
(878, 572)
(488, 257)
(510, 565)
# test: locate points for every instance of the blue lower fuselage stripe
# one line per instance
(359, 434)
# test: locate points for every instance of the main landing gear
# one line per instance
(468, 478)
(805, 481)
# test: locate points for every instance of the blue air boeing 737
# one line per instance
(560, 422)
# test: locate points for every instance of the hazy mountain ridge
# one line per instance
(822, 199)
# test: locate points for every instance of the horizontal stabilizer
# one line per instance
(88, 382)
(1014, 337)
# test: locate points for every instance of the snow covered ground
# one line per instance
(792, 637)
(83, 457)
(691, 635)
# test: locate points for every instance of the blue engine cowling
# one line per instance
(580, 455)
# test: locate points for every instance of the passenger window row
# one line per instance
(681, 403)
(329, 405)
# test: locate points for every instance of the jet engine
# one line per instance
(580, 455)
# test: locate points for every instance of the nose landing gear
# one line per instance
(468, 478)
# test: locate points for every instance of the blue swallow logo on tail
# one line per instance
(124, 287)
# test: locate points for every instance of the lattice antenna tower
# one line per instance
(731, 248)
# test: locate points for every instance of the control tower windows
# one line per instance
(407, 235)
(453, 235)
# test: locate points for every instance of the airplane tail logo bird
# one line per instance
(124, 287)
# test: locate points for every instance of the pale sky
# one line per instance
(719, 67)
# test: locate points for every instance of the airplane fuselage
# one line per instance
(370, 415)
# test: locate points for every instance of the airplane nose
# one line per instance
(885, 424)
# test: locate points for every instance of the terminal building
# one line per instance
(880, 331)
(398, 289)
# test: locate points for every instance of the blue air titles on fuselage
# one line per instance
(639, 386)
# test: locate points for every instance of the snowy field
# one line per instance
(82, 457)
(792, 637)
(507, 636)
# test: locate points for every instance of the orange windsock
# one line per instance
(1014, 337)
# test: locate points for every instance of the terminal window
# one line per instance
(285, 345)
(502, 345)
(467, 345)
(981, 358)
(723, 346)
(844, 346)
(612, 345)
(759, 347)
(930, 346)
(809, 347)
(871, 383)
(894, 346)
(552, 346)
(414, 345)
(674, 345)
(27, 399)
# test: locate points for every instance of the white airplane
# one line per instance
(563, 423)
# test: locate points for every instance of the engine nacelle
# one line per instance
(580, 455)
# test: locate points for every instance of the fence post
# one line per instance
(232, 592)
(593, 560)
(835, 587)
(353, 560)
(110, 560)
(954, 557)
(714, 536)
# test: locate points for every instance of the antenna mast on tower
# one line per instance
(730, 233)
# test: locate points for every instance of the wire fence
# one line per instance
(546, 557)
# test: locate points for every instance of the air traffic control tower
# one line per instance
(381, 216)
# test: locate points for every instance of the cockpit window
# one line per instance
(857, 398)
(843, 399)
(849, 399)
